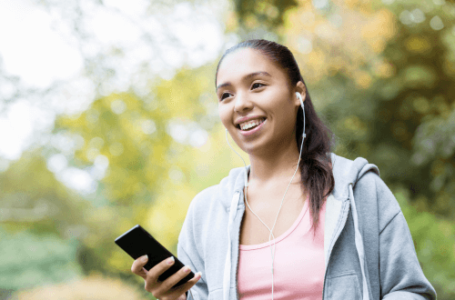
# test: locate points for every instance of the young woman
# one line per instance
(300, 222)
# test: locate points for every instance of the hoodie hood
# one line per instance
(346, 172)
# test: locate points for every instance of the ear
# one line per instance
(299, 88)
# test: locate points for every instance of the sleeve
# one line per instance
(400, 272)
(189, 255)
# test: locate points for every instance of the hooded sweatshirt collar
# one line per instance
(345, 171)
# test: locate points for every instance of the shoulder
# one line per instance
(371, 193)
(374, 193)
(200, 212)
(203, 198)
(385, 198)
(218, 196)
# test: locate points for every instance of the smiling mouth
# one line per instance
(250, 125)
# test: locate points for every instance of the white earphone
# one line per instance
(246, 186)
(303, 108)
(300, 98)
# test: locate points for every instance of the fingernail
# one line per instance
(144, 258)
(186, 269)
(198, 275)
(170, 260)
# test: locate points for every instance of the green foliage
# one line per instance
(41, 221)
(268, 14)
(32, 199)
(29, 260)
(391, 101)
(92, 287)
(434, 240)
(422, 100)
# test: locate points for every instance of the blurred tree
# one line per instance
(257, 18)
(435, 245)
(33, 200)
(93, 287)
(383, 76)
(28, 260)
(40, 224)
(397, 99)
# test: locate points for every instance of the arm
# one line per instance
(400, 272)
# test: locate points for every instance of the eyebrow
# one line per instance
(244, 78)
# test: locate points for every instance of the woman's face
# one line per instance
(255, 103)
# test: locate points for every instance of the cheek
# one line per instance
(225, 116)
(274, 98)
(283, 113)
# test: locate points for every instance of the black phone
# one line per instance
(138, 242)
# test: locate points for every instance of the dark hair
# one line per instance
(315, 169)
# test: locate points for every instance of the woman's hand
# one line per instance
(163, 289)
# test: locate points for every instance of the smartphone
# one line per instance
(138, 242)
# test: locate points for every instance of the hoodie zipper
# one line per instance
(345, 212)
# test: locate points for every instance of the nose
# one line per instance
(242, 103)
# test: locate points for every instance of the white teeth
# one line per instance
(251, 124)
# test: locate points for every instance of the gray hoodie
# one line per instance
(369, 251)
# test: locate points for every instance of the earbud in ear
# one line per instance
(303, 108)
(300, 98)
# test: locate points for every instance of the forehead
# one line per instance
(245, 61)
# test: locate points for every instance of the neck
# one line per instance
(275, 166)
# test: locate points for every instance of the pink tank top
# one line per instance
(299, 263)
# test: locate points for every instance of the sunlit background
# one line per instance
(108, 119)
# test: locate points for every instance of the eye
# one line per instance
(222, 96)
(258, 83)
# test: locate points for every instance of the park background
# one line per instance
(109, 119)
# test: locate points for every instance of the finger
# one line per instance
(167, 284)
(138, 266)
(153, 274)
(186, 286)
